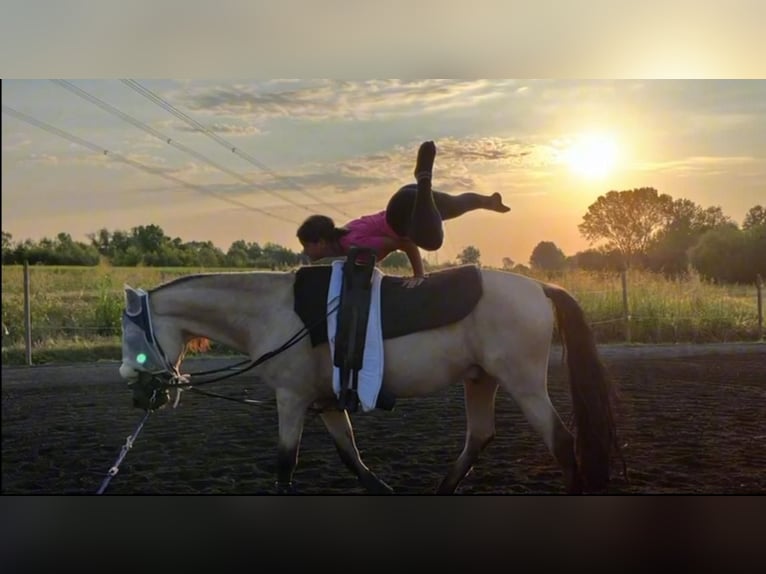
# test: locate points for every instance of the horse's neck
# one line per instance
(228, 308)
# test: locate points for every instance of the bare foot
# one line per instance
(496, 203)
(425, 162)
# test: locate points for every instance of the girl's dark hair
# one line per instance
(318, 227)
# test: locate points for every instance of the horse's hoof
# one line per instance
(377, 486)
(382, 488)
(285, 488)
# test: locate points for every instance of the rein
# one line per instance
(172, 382)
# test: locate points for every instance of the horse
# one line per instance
(504, 341)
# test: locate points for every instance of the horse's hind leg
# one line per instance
(339, 426)
(480, 421)
(530, 393)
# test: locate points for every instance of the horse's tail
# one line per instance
(592, 393)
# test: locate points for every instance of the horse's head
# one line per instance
(151, 351)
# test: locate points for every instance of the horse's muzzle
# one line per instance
(149, 392)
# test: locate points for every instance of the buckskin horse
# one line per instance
(482, 328)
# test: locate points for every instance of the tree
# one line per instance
(627, 220)
(724, 254)
(598, 260)
(469, 255)
(710, 218)
(521, 269)
(395, 260)
(101, 240)
(668, 250)
(547, 257)
(508, 263)
(277, 257)
(755, 216)
(119, 244)
(148, 238)
(7, 247)
(755, 236)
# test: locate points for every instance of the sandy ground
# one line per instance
(693, 420)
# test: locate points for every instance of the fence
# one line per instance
(647, 309)
(84, 304)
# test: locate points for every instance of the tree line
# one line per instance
(642, 228)
(636, 228)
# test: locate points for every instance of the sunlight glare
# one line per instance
(591, 155)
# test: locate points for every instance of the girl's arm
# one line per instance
(413, 254)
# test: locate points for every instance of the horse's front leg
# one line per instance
(480, 395)
(291, 409)
(339, 426)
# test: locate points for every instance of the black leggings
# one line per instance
(424, 226)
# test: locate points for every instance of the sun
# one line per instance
(592, 155)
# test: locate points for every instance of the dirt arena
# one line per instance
(693, 420)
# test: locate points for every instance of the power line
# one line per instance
(159, 135)
(118, 157)
(147, 93)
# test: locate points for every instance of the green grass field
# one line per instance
(76, 311)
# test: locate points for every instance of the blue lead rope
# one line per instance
(125, 448)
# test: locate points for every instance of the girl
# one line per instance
(412, 219)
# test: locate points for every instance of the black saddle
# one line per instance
(444, 297)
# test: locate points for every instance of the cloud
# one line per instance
(699, 164)
(41, 159)
(336, 99)
(460, 165)
(15, 143)
(232, 129)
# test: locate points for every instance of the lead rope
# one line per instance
(124, 451)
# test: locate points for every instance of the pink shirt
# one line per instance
(369, 231)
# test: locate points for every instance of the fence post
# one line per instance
(759, 291)
(625, 308)
(27, 315)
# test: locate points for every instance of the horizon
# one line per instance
(550, 147)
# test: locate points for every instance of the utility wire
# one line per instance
(147, 93)
(118, 157)
(131, 120)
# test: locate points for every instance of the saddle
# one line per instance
(445, 297)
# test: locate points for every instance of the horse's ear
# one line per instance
(132, 300)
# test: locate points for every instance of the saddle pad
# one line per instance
(370, 376)
(445, 297)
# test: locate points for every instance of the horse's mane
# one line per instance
(243, 276)
(198, 345)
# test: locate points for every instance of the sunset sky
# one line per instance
(341, 148)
